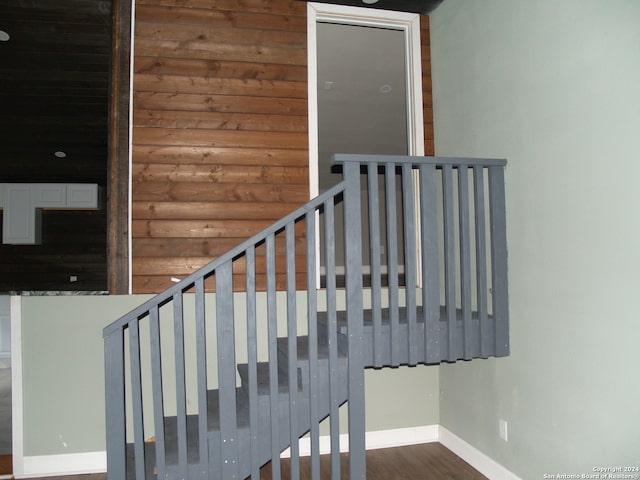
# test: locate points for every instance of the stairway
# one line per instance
(263, 429)
(179, 405)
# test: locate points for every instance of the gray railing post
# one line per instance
(499, 282)
(353, 278)
(115, 404)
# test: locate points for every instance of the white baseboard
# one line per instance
(474, 457)
(67, 464)
(96, 462)
(377, 439)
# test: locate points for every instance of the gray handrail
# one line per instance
(167, 295)
(453, 223)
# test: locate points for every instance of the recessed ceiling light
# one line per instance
(60, 154)
(385, 88)
(4, 36)
(369, 2)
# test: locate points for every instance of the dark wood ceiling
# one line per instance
(54, 96)
(54, 90)
(54, 83)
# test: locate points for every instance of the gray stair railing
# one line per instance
(214, 386)
(442, 224)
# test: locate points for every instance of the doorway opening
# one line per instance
(365, 96)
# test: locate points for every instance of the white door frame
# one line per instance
(409, 23)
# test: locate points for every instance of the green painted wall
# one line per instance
(63, 371)
(553, 86)
(63, 376)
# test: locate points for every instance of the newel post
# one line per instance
(115, 404)
(353, 279)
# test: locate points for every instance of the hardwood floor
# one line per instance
(428, 461)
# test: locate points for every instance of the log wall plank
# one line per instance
(220, 141)
(220, 130)
(427, 99)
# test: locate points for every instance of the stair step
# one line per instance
(302, 348)
(385, 316)
(264, 376)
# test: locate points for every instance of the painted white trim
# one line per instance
(409, 23)
(17, 426)
(96, 462)
(401, 437)
(130, 179)
(398, 437)
(474, 457)
(67, 464)
(312, 98)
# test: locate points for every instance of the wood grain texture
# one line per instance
(219, 155)
(201, 247)
(220, 174)
(218, 192)
(219, 68)
(211, 210)
(118, 161)
(427, 98)
(152, 284)
(220, 127)
(55, 83)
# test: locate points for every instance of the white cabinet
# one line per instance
(23, 203)
(82, 195)
(50, 195)
(20, 220)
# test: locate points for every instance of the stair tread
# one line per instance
(264, 377)
(263, 371)
(302, 348)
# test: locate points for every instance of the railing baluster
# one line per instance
(252, 360)
(201, 352)
(332, 336)
(292, 347)
(227, 370)
(156, 384)
(272, 334)
(376, 271)
(312, 315)
(115, 404)
(430, 263)
(409, 219)
(465, 259)
(136, 398)
(449, 261)
(181, 388)
(392, 261)
(486, 341)
(493, 330)
(499, 279)
(353, 279)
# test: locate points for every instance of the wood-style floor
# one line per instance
(429, 461)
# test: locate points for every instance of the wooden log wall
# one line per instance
(220, 140)
(427, 97)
